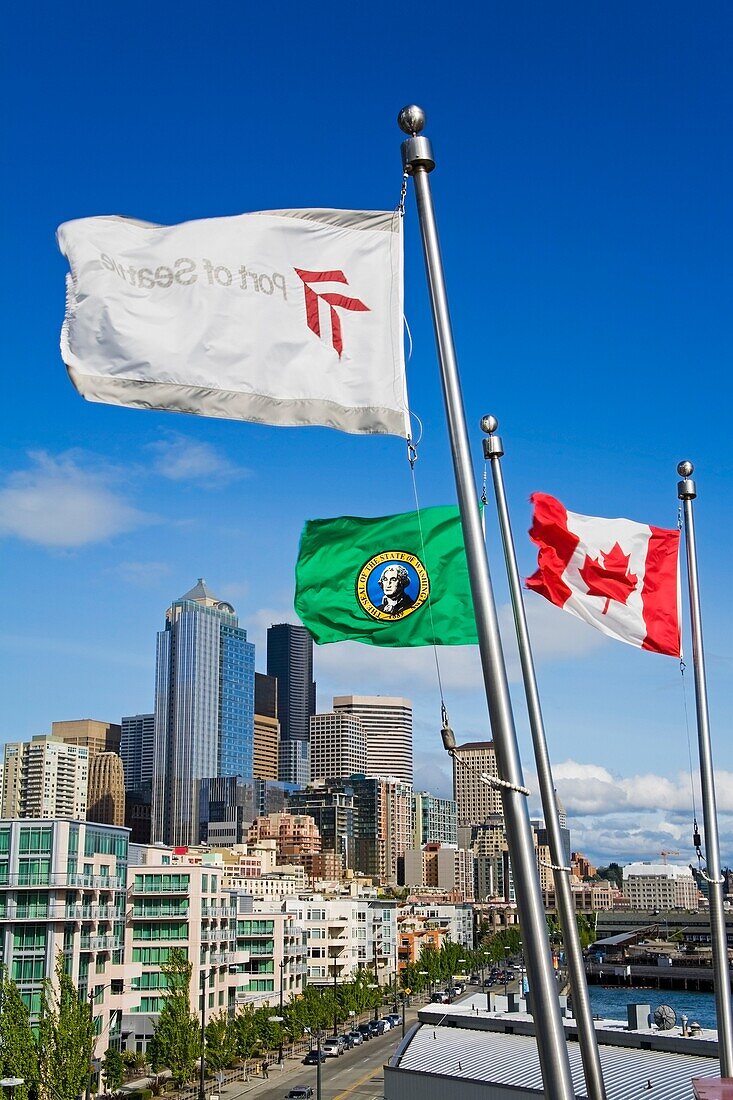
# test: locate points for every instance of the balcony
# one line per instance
(156, 888)
(100, 943)
(96, 882)
(160, 914)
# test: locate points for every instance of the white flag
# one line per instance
(284, 317)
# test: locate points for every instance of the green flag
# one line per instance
(382, 582)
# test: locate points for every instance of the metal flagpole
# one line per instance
(417, 160)
(687, 491)
(493, 451)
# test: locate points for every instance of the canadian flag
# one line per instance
(621, 577)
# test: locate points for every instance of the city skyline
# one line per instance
(582, 192)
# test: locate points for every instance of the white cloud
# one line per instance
(625, 818)
(58, 502)
(179, 458)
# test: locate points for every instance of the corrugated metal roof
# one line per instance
(513, 1060)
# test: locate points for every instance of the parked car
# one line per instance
(348, 1040)
(332, 1047)
(439, 997)
(311, 1058)
(381, 1026)
(300, 1092)
(475, 979)
(387, 1021)
(394, 1018)
(356, 1037)
(365, 1031)
(373, 1026)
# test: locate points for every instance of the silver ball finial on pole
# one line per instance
(685, 469)
(489, 424)
(411, 120)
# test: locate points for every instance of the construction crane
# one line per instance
(668, 852)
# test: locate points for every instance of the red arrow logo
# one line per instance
(333, 301)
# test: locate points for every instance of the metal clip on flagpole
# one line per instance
(418, 162)
(687, 491)
(493, 452)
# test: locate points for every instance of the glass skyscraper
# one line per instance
(290, 661)
(204, 709)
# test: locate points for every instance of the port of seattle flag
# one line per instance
(620, 576)
(288, 317)
(385, 582)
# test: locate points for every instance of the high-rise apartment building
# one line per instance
(137, 749)
(265, 758)
(387, 723)
(45, 778)
(475, 798)
(90, 733)
(332, 806)
(435, 819)
(204, 709)
(337, 746)
(290, 661)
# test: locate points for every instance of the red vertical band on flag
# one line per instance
(557, 545)
(659, 593)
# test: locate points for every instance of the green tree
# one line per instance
(614, 873)
(246, 1039)
(18, 1056)
(65, 1038)
(113, 1068)
(176, 1041)
(221, 1048)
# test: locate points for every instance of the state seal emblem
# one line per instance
(392, 585)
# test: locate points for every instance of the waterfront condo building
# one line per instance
(290, 661)
(63, 889)
(387, 723)
(204, 709)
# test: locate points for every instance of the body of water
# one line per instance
(611, 1001)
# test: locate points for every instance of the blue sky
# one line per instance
(583, 193)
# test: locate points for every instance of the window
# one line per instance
(35, 841)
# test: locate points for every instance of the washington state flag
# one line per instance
(390, 581)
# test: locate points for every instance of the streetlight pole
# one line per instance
(202, 1066)
(282, 979)
(91, 1052)
(335, 1028)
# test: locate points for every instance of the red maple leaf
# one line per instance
(612, 579)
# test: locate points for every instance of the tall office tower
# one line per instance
(476, 799)
(45, 778)
(387, 723)
(137, 746)
(435, 819)
(106, 791)
(290, 660)
(90, 733)
(266, 728)
(337, 746)
(204, 709)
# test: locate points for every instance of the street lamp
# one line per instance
(202, 1068)
(282, 973)
(335, 1028)
(318, 1060)
(278, 1020)
(11, 1084)
(374, 985)
(426, 974)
